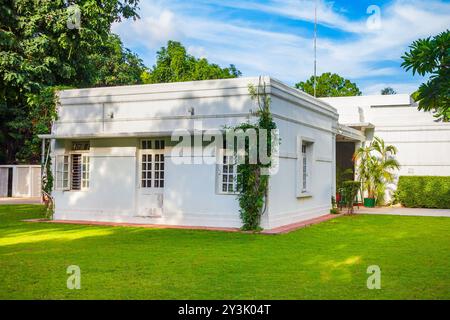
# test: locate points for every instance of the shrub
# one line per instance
(424, 191)
(350, 190)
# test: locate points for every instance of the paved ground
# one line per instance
(405, 211)
(20, 200)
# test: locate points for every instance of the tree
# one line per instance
(40, 50)
(431, 56)
(329, 85)
(388, 91)
(174, 64)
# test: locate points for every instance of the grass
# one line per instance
(325, 261)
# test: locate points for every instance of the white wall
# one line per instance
(285, 206)
(423, 144)
(111, 194)
(26, 180)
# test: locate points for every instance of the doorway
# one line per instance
(151, 168)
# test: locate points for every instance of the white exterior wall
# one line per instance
(26, 181)
(296, 121)
(423, 144)
(114, 120)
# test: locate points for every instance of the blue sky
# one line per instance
(274, 37)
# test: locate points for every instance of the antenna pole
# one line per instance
(315, 48)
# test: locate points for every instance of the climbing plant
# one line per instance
(252, 178)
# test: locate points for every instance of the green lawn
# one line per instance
(325, 261)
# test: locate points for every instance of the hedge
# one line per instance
(424, 192)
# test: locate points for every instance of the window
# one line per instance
(227, 174)
(152, 163)
(304, 167)
(62, 172)
(72, 169)
(76, 172)
(85, 171)
(152, 144)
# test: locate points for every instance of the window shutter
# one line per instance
(62, 172)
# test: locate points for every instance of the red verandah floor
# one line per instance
(279, 230)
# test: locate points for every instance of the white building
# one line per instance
(113, 159)
(20, 181)
(423, 143)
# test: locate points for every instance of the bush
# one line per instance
(350, 190)
(424, 191)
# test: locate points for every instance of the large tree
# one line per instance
(431, 56)
(174, 64)
(329, 85)
(39, 49)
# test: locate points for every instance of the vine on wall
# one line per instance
(252, 179)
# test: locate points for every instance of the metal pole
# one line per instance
(43, 152)
(315, 48)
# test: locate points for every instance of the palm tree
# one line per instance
(375, 168)
(387, 164)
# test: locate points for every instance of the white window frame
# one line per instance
(85, 170)
(304, 158)
(153, 152)
(62, 169)
(220, 174)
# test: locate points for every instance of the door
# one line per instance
(151, 169)
(10, 182)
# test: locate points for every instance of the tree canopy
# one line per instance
(431, 57)
(174, 64)
(387, 91)
(329, 85)
(40, 50)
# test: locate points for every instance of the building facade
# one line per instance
(115, 150)
(114, 159)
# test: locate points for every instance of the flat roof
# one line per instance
(370, 100)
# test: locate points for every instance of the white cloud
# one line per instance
(156, 25)
(398, 87)
(327, 14)
(256, 49)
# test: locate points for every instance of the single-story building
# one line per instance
(113, 155)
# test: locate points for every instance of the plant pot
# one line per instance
(369, 202)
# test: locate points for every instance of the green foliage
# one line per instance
(431, 56)
(112, 65)
(388, 91)
(343, 175)
(38, 51)
(174, 64)
(251, 183)
(376, 164)
(350, 190)
(424, 191)
(329, 85)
